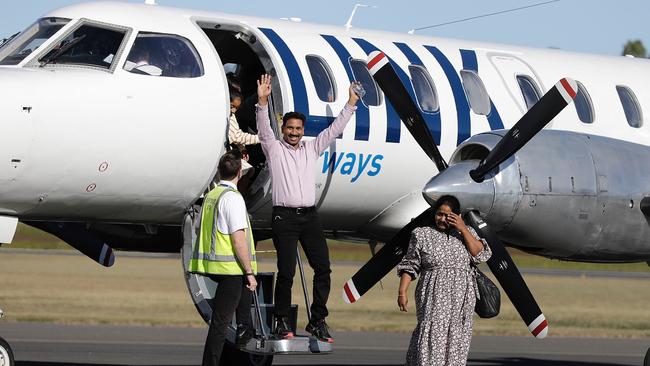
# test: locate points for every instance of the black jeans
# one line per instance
(229, 291)
(289, 227)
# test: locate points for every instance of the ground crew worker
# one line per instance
(224, 251)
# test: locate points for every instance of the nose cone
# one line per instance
(456, 181)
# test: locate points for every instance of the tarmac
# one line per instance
(39, 344)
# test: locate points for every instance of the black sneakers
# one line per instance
(244, 334)
(320, 330)
(282, 329)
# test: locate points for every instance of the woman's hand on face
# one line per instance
(402, 302)
(456, 221)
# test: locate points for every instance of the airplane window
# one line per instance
(529, 90)
(168, 55)
(631, 106)
(425, 89)
(30, 39)
(476, 93)
(362, 75)
(323, 81)
(584, 108)
(88, 45)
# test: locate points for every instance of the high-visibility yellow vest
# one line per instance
(213, 252)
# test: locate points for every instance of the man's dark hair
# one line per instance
(290, 115)
(450, 201)
(230, 164)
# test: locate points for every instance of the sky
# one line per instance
(592, 26)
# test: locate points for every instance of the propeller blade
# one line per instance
(506, 272)
(386, 77)
(551, 104)
(383, 261)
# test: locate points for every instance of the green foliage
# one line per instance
(634, 48)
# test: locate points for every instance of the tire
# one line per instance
(6, 354)
(646, 360)
(233, 356)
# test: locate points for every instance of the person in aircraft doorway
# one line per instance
(292, 164)
(225, 252)
(239, 140)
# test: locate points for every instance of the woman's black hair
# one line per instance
(450, 201)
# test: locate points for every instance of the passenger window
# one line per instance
(88, 45)
(584, 107)
(322, 77)
(475, 91)
(362, 75)
(168, 55)
(529, 90)
(631, 106)
(15, 50)
(425, 89)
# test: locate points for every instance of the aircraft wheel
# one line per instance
(646, 360)
(233, 356)
(6, 355)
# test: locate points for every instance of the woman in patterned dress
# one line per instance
(446, 292)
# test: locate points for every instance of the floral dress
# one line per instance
(444, 297)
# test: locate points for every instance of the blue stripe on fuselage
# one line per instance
(432, 119)
(462, 108)
(362, 127)
(314, 124)
(393, 123)
(471, 63)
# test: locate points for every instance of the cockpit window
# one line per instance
(21, 46)
(169, 55)
(88, 45)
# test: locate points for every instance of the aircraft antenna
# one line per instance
(348, 24)
(483, 16)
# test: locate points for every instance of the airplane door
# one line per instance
(519, 78)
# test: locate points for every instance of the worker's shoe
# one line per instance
(244, 334)
(282, 329)
(319, 329)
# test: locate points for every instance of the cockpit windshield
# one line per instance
(30, 39)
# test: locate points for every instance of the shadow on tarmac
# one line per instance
(484, 362)
(520, 361)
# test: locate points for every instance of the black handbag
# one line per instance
(488, 298)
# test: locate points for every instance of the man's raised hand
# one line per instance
(263, 89)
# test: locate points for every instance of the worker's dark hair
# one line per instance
(289, 115)
(230, 164)
(450, 201)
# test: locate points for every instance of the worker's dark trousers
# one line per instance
(290, 226)
(229, 291)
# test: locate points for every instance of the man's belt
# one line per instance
(295, 210)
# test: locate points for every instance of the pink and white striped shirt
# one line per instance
(293, 171)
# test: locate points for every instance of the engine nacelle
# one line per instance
(564, 194)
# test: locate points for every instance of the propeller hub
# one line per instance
(456, 181)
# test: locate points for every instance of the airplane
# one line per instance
(115, 114)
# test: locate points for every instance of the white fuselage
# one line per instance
(83, 144)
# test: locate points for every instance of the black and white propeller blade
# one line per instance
(552, 103)
(506, 272)
(408, 112)
(500, 263)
